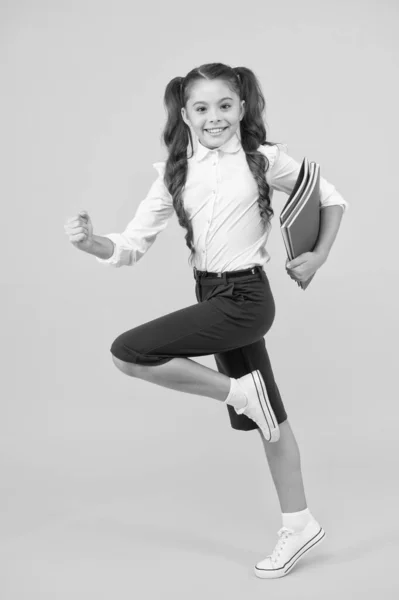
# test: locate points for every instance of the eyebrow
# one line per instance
(203, 102)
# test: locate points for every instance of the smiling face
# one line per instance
(212, 104)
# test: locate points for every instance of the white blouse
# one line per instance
(220, 199)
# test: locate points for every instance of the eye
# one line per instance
(229, 105)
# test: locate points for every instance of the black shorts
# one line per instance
(234, 311)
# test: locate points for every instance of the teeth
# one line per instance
(216, 130)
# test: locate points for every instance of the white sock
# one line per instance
(236, 396)
(297, 520)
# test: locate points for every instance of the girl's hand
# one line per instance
(305, 265)
(80, 231)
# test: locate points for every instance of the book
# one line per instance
(300, 217)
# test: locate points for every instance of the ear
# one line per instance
(184, 116)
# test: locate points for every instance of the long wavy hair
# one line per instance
(177, 134)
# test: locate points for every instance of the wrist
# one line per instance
(91, 247)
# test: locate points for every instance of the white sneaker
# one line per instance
(258, 407)
(290, 548)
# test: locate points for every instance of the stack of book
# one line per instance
(300, 217)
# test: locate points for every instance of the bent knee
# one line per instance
(125, 367)
(118, 362)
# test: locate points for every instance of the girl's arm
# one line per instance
(151, 218)
(330, 220)
(284, 172)
(102, 247)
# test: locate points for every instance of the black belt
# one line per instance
(224, 275)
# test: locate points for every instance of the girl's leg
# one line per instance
(186, 375)
(182, 374)
(285, 467)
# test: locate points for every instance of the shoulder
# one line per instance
(160, 167)
(272, 151)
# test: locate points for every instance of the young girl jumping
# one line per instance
(219, 178)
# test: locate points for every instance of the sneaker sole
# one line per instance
(285, 569)
(273, 432)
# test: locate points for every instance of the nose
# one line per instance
(214, 119)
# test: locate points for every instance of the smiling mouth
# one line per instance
(216, 129)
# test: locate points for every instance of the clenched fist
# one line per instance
(80, 230)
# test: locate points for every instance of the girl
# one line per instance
(221, 188)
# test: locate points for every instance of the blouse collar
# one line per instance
(231, 146)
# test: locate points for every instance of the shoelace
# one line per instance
(283, 535)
